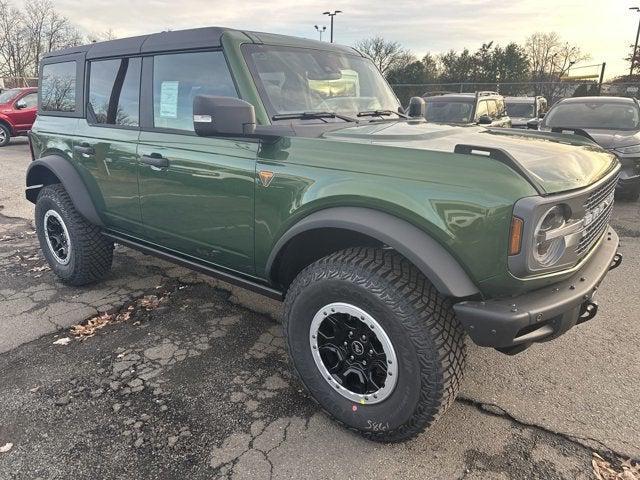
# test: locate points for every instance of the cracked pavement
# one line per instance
(198, 386)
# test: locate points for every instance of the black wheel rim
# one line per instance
(353, 353)
(57, 236)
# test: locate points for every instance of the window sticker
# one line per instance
(169, 99)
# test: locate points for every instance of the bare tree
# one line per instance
(550, 58)
(386, 55)
(27, 34)
(103, 36)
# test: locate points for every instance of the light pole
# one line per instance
(320, 30)
(335, 12)
(635, 48)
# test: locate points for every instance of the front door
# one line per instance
(196, 193)
(105, 146)
(25, 108)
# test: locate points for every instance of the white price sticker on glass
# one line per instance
(169, 99)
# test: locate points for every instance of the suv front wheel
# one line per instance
(374, 343)
(75, 249)
(5, 135)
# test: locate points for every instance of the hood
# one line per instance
(556, 162)
(614, 138)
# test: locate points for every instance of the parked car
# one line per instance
(285, 165)
(611, 122)
(18, 107)
(523, 109)
(480, 108)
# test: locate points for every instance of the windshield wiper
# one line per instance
(312, 115)
(381, 113)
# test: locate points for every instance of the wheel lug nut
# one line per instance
(364, 338)
(345, 344)
(370, 352)
(364, 362)
(351, 357)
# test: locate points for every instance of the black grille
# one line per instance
(596, 228)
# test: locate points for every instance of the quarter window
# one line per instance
(59, 87)
(178, 78)
(114, 92)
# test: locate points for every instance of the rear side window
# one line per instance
(178, 78)
(114, 92)
(58, 87)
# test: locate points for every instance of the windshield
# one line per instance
(294, 80)
(596, 115)
(454, 111)
(9, 95)
(520, 110)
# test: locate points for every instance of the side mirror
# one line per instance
(417, 107)
(225, 116)
(485, 120)
(20, 104)
(533, 124)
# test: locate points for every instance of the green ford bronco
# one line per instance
(289, 167)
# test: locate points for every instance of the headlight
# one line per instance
(549, 243)
(629, 150)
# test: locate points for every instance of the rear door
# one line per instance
(25, 108)
(196, 193)
(106, 141)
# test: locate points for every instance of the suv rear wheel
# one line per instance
(75, 249)
(5, 135)
(374, 343)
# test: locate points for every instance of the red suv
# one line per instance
(18, 108)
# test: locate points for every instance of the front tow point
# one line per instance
(617, 260)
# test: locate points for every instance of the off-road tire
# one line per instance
(6, 138)
(428, 340)
(91, 253)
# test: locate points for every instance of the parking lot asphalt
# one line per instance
(188, 379)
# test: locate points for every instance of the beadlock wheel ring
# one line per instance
(353, 353)
(57, 237)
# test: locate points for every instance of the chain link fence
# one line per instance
(552, 91)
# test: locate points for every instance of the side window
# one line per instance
(178, 78)
(482, 109)
(31, 100)
(58, 87)
(502, 108)
(114, 92)
(492, 109)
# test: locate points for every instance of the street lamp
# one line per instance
(320, 30)
(635, 48)
(335, 12)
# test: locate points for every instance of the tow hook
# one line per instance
(588, 310)
(617, 260)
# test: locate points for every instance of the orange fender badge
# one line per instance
(265, 177)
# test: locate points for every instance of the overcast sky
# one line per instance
(603, 28)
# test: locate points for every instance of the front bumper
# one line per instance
(543, 314)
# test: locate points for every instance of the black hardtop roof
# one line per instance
(194, 38)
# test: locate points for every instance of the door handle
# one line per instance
(155, 160)
(84, 149)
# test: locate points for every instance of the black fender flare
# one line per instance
(429, 256)
(46, 170)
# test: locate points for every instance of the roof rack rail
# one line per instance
(485, 93)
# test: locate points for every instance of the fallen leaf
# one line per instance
(6, 447)
(62, 341)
